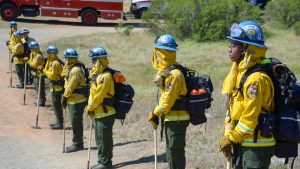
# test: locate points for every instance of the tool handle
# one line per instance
(25, 82)
(90, 140)
(155, 149)
(64, 126)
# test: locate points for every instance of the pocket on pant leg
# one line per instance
(176, 140)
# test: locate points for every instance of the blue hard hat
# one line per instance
(12, 23)
(52, 49)
(98, 52)
(33, 45)
(166, 42)
(24, 30)
(248, 32)
(70, 53)
(17, 33)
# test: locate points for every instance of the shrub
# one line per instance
(202, 20)
(297, 28)
(283, 13)
(124, 29)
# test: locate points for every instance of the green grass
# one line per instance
(132, 55)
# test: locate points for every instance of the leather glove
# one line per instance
(40, 68)
(7, 43)
(89, 112)
(153, 119)
(226, 146)
(25, 59)
(64, 102)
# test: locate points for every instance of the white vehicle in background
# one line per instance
(138, 7)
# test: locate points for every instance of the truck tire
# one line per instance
(89, 17)
(9, 12)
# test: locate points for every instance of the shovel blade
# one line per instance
(36, 127)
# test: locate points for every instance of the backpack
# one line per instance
(26, 49)
(85, 90)
(122, 100)
(198, 98)
(284, 121)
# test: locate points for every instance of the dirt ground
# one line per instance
(25, 148)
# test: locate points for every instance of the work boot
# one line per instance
(73, 148)
(57, 126)
(101, 166)
(19, 86)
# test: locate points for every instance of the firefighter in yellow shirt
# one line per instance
(248, 105)
(172, 87)
(101, 93)
(26, 40)
(13, 27)
(36, 63)
(52, 70)
(75, 96)
(17, 50)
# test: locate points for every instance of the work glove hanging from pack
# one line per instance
(153, 119)
(64, 102)
(226, 146)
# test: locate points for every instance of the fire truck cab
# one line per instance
(88, 10)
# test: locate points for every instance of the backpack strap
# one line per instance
(253, 69)
(82, 66)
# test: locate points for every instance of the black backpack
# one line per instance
(85, 90)
(284, 121)
(122, 100)
(26, 49)
(198, 98)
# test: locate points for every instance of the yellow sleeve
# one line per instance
(253, 99)
(230, 80)
(73, 81)
(103, 87)
(18, 49)
(229, 124)
(169, 95)
(37, 61)
(54, 72)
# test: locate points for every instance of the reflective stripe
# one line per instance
(259, 143)
(289, 118)
(176, 118)
(244, 127)
(101, 115)
(200, 100)
(77, 101)
(124, 102)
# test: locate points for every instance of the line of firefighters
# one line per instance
(69, 81)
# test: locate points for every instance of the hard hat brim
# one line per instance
(166, 48)
(248, 42)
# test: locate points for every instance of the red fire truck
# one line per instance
(88, 10)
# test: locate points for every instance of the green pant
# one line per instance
(104, 140)
(42, 92)
(254, 157)
(56, 104)
(76, 113)
(20, 72)
(175, 143)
